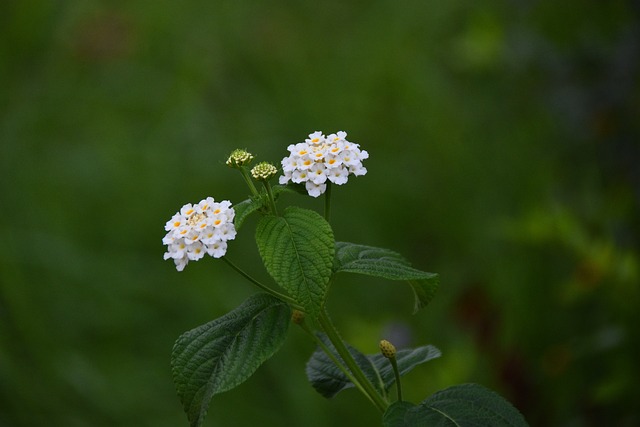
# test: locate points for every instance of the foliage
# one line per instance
(515, 129)
(299, 251)
(460, 405)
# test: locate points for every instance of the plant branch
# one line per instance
(265, 288)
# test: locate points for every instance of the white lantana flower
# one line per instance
(199, 230)
(320, 158)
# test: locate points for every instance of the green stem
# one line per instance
(334, 359)
(396, 372)
(249, 182)
(343, 351)
(327, 202)
(272, 201)
(267, 289)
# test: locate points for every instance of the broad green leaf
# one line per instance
(220, 355)
(328, 380)
(464, 405)
(395, 413)
(297, 249)
(387, 264)
(407, 359)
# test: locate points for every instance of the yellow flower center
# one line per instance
(195, 219)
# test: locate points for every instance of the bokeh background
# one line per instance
(504, 155)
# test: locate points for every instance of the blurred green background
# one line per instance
(504, 155)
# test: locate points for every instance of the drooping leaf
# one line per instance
(464, 405)
(328, 380)
(220, 355)
(395, 413)
(297, 249)
(407, 359)
(387, 264)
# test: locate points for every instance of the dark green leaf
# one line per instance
(289, 188)
(223, 353)
(328, 380)
(407, 359)
(464, 405)
(387, 264)
(395, 413)
(297, 249)
(249, 206)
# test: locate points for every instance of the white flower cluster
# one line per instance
(199, 229)
(321, 158)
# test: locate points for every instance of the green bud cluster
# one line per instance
(264, 171)
(239, 158)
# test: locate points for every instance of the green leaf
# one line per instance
(249, 206)
(328, 380)
(289, 188)
(387, 264)
(220, 355)
(244, 209)
(407, 359)
(297, 249)
(464, 405)
(395, 413)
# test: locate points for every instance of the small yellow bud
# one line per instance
(387, 349)
(297, 317)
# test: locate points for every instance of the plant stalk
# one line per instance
(247, 179)
(335, 360)
(272, 201)
(396, 372)
(343, 351)
(327, 202)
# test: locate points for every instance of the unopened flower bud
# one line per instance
(264, 171)
(387, 349)
(297, 317)
(239, 158)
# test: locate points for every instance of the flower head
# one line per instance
(199, 230)
(239, 158)
(264, 171)
(320, 159)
